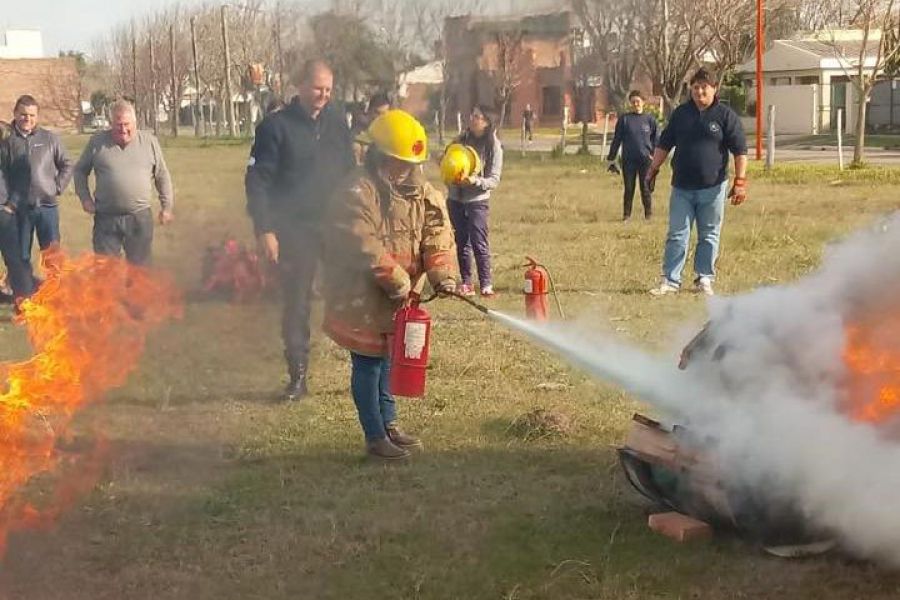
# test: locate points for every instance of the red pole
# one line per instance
(760, 45)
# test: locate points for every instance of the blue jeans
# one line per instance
(43, 220)
(706, 207)
(470, 229)
(19, 273)
(369, 379)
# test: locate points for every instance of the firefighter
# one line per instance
(386, 227)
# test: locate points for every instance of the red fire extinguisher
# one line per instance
(409, 349)
(537, 289)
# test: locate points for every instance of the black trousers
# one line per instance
(631, 170)
(18, 271)
(299, 250)
(132, 232)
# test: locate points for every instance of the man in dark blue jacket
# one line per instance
(703, 132)
(299, 157)
(636, 134)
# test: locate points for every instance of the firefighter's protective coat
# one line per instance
(379, 238)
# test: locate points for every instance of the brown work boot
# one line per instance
(383, 448)
(403, 440)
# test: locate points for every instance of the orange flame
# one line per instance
(87, 325)
(872, 358)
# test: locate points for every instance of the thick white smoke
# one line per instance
(770, 385)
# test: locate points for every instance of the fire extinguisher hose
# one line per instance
(468, 301)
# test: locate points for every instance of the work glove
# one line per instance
(403, 291)
(446, 286)
(738, 192)
(651, 178)
(612, 167)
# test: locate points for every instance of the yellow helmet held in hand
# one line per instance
(459, 162)
(397, 133)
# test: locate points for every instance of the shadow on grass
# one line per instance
(320, 521)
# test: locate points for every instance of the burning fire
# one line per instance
(87, 326)
(872, 358)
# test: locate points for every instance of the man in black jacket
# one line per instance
(636, 134)
(298, 158)
(704, 133)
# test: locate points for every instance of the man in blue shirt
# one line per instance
(704, 132)
(636, 134)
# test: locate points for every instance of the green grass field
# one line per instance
(216, 491)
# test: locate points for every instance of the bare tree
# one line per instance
(874, 51)
(503, 57)
(63, 88)
(675, 43)
(816, 15)
(614, 32)
(430, 18)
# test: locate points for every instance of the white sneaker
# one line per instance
(664, 289)
(703, 285)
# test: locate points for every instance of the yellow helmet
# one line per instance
(397, 133)
(458, 163)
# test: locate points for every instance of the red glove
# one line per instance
(738, 191)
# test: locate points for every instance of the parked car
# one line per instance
(99, 122)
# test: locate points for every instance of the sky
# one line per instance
(77, 24)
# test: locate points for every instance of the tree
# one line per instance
(875, 50)
(614, 33)
(676, 40)
(430, 18)
(503, 66)
(351, 48)
(64, 88)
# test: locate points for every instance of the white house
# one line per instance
(808, 79)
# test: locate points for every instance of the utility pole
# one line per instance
(198, 109)
(760, 46)
(176, 100)
(665, 4)
(279, 50)
(154, 101)
(229, 105)
(134, 96)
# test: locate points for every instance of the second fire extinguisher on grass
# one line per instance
(538, 285)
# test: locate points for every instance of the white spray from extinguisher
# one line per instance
(632, 369)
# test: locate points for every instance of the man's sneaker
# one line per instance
(488, 292)
(386, 450)
(664, 289)
(466, 290)
(703, 285)
(403, 440)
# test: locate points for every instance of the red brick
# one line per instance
(679, 527)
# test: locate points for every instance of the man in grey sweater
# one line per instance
(124, 161)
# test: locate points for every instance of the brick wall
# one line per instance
(53, 83)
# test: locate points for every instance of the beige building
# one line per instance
(808, 79)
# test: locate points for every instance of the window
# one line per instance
(551, 100)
